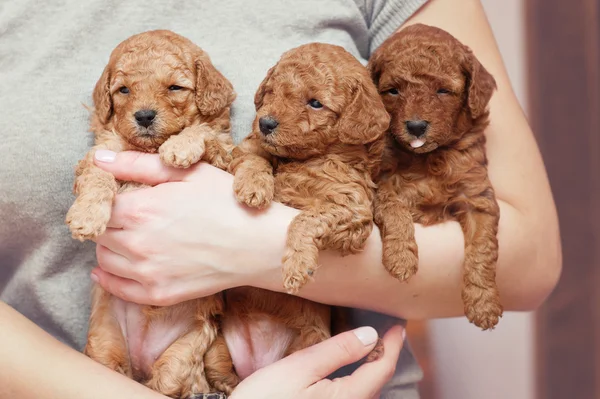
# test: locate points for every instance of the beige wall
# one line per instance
(471, 364)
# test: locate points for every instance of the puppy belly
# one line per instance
(147, 338)
(255, 343)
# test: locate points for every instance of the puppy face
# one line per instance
(317, 95)
(156, 84)
(433, 87)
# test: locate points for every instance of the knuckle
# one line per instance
(158, 296)
(136, 246)
(138, 213)
(147, 275)
(344, 348)
(120, 292)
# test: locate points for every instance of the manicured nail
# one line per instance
(105, 155)
(366, 335)
(94, 277)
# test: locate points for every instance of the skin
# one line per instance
(528, 269)
(136, 260)
(22, 364)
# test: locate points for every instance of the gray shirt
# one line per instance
(51, 54)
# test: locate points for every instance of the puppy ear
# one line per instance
(101, 97)
(365, 119)
(262, 88)
(374, 65)
(213, 91)
(480, 85)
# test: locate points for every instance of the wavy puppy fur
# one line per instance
(158, 93)
(316, 144)
(435, 165)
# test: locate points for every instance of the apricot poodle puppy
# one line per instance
(435, 165)
(158, 93)
(316, 143)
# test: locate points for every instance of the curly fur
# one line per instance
(423, 73)
(321, 161)
(167, 73)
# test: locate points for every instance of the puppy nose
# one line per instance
(145, 117)
(267, 125)
(417, 128)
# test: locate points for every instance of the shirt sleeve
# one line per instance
(384, 17)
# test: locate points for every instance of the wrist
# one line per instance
(269, 240)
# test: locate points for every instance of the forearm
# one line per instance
(36, 366)
(361, 281)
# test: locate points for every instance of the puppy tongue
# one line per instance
(416, 143)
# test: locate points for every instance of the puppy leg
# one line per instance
(393, 216)
(105, 343)
(219, 367)
(254, 183)
(313, 323)
(333, 226)
(193, 144)
(480, 293)
(179, 371)
(96, 189)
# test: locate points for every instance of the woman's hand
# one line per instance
(303, 374)
(185, 238)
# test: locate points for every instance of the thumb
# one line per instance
(322, 359)
(137, 166)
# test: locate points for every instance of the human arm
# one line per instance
(36, 366)
(245, 247)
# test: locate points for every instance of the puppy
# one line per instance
(158, 93)
(315, 145)
(435, 166)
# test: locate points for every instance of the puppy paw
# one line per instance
(297, 271)
(254, 189)
(181, 151)
(482, 306)
(88, 220)
(376, 353)
(401, 260)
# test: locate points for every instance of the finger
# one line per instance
(112, 238)
(137, 166)
(129, 209)
(322, 359)
(114, 263)
(370, 378)
(128, 290)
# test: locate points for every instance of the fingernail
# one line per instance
(94, 277)
(403, 334)
(105, 155)
(366, 335)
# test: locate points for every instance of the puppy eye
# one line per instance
(124, 90)
(393, 92)
(443, 91)
(175, 88)
(315, 103)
